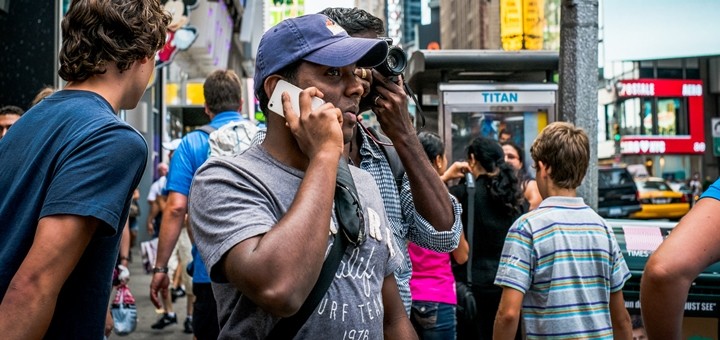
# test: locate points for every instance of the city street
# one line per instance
(147, 315)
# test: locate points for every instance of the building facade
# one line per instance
(658, 113)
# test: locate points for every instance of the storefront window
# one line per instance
(647, 123)
(640, 116)
(630, 121)
(671, 112)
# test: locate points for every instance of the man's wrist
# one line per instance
(156, 270)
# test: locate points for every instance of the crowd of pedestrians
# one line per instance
(319, 227)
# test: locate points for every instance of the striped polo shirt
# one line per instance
(566, 261)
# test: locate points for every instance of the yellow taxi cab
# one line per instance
(658, 200)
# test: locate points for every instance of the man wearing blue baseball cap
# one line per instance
(265, 222)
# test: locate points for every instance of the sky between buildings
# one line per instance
(655, 29)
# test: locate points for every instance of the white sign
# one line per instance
(643, 146)
(499, 97)
(637, 89)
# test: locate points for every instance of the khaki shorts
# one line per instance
(180, 257)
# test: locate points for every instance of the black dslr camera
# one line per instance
(395, 62)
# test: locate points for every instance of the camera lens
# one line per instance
(392, 62)
(395, 62)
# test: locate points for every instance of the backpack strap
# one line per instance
(206, 128)
(288, 327)
(470, 188)
(398, 170)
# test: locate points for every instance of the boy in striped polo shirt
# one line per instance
(561, 264)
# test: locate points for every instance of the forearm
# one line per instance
(621, 324)
(26, 311)
(663, 299)
(170, 227)
(430, 195)
(460, 254)
(154, 210)
(281, 280)
(29, 302)
(396, 324)
(505, 326)
(125, 244)
(399, 328)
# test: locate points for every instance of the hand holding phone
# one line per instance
(275, 103)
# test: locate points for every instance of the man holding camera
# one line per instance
(418, 205)
(267, 222)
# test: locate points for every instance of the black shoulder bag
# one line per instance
(466, 307)
(351, 230)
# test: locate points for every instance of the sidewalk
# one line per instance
(147, 315)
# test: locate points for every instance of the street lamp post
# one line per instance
(577, 100)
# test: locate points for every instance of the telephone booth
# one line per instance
(466, 94)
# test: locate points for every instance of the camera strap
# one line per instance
(470, 188)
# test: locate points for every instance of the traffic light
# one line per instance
(616, 132)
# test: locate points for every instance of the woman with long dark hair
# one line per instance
(515, 157)
(497, 203)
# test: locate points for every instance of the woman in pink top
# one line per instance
(432, 284)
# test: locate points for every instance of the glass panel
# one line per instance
(466, 126)
(614, 177)
(630, 117)
(647, 117)
(669, 109)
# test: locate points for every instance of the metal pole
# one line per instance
(578, 100)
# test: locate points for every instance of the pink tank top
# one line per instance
(432, 278)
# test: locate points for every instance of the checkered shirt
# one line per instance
(405, 221)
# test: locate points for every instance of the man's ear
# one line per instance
(438, 161)
(270, 83)
(543, 169)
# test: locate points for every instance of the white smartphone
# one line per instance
(275, 103)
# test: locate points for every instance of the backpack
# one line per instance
(230, 139)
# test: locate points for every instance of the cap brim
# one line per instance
(360, 51)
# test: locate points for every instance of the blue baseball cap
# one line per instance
(314, 38)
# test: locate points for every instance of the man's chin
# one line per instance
(348, 132)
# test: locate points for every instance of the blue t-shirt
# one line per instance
(188, 157)
(713, 191)
(69, 155)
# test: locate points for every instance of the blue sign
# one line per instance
(500, 97)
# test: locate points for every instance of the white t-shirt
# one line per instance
(156, 189)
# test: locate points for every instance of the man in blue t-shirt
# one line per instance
(223, 99)
(69, 168)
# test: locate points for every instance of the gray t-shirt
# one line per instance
(236, 198)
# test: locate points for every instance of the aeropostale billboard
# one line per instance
(667, 90)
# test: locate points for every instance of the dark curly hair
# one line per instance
(96, 32)
(355, 20)
(503, 187)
